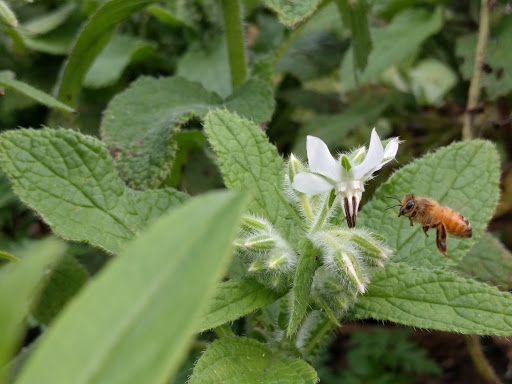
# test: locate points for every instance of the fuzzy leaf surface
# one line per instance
(248, 162)
(19, 282)
(70, 180)
(7, 80)
(137, 317)
(463, 176)
(234, 299)
(436, 300)
(234, 360)
(392, 44)
(489, 262)
(139, 123)
(292, 13)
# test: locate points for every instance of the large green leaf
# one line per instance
(7, 80)
(113, 60)
(234, 360)
(248, 162)
(463, 176)
(92, 38)
(437, 300)
(132, 324)
(292, 13)
(7, 16)
(489, 262)
(69, 179)
(139, 122)
(392, 44)
(18, 283)
(235, 299)
(498, 57)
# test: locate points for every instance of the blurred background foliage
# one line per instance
(414, 85)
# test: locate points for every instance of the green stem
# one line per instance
(223, 331)
(9, 256)
(235, 38)
(313, 343)
(474, 87)
(483, 367)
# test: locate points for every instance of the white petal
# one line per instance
(391, 149)
(311, 184)
(372, 160)
(320, 159)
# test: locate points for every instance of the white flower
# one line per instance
(346, 175)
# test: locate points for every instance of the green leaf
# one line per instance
(392, 44)
(436, 300)
(7, 15)
(302, 282)
(7, 80)
(431, 80)
(64, 281)
(463, 176)
(56, 42)
(48, 21)
(114, 59)
(355, 17)
(248, 162)
(139, 123)
(235, 299)
(234, 360)
(292, 13)
(69, 179)
(168, 17)
(489, 262)
(208, 66)
(93, 37)
(137, 317)
(18, 283)
(312, 55)
(498, 56)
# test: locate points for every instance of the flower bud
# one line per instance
(260, 242)
(348, 266)
(370, 247)
(254, 224)
(277, 262)
(257, 266)
(294, 167)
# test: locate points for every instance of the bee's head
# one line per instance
(407, 205)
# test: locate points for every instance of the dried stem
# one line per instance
(474, 87)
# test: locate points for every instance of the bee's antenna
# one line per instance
(393, 206)
(396, 198)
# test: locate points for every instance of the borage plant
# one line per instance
(299, 269)
(277, 263)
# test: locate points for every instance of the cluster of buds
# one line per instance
(318, 193)
(271, 260)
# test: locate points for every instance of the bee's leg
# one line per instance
(425, 229)
(441, 239)
(410, 222)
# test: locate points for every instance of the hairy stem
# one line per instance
(481, 364)
(235, 38)
(474, 87)
(223, 331)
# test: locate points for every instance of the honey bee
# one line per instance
(431, 215)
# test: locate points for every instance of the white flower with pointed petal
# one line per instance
(346, 175)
